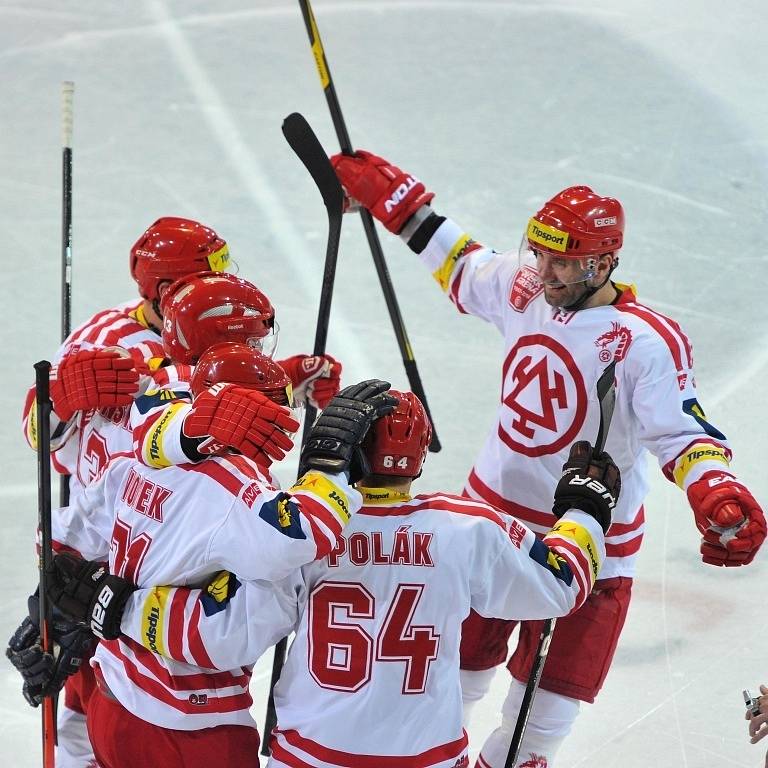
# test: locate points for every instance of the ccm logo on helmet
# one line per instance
(606, 221)
(399, 194)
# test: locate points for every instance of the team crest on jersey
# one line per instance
(613, 344)
(544, 397)
(216, 596)
(282, 514)
(525, 288)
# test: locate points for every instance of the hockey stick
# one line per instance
(42, 373)
(406, 351)
(606, 396)
(305, 144)
(67, 94)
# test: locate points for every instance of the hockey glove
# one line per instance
(728, 517)
(590, 484)
(315, 378)
(334, 442)
(85, 591)
(45, 673)
(391, 195)
(228, 416)
(95, 379)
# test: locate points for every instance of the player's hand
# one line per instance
(391, 195)
(229, 416)
(334, 442)
(315, 378)
(728, 517)
(85, 591)
(95, 378)
(44, 673)
(758, 724)
(590, 484)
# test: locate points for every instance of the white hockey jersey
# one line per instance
(378, 624)
(553, 360)
(181, 525)
(82, 446)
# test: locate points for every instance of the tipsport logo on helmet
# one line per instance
(219, 260)
(550, 237)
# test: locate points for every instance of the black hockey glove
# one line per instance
(45, 673)
(590, 484)
(86, 591)
(334, 441)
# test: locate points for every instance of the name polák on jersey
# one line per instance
(406, 547)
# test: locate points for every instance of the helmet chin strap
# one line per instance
(590, 291)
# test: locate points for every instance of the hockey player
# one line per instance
(183, 524)
(97, 372)
(563, 319)
(378, 619)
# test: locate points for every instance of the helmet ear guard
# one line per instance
(204, 309)
(172, 248)
(397, 443)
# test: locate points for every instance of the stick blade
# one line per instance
(299, 134)
(606, 395)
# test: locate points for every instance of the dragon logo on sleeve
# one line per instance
(613, 344)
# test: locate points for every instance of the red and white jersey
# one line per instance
(552, 362)
(182, 525)
(75, 451)
(378, 624)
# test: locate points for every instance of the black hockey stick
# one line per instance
(606, 396)
(406, 351)
(305, 144)
(67, 94)
(43, 428)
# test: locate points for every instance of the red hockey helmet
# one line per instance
(206, 308)
(234, 363)
(172, 248)
(576, 222)
(397, 443)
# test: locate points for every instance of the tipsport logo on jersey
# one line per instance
(544, 398)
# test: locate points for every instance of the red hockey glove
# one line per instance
(391, 195)
(315, 378)
(728, 517)
(95, 379)
(245, 419)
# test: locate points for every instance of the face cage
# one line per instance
(267, 344)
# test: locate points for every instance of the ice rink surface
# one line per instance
(496, 106)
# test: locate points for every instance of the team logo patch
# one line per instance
(283, 515)
(692, 408)
(553, 562)
(217, 595)
(525, 288)
(544, 397)
(613, 344)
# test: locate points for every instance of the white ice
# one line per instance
(495, 105)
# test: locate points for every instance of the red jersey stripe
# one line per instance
(619, 529)
(526, 514)
(624, 549)
(196, 647)
(176, 626)
(654, 319)
(218, 473)
(438, 754)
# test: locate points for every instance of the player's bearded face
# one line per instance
(565, 280)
